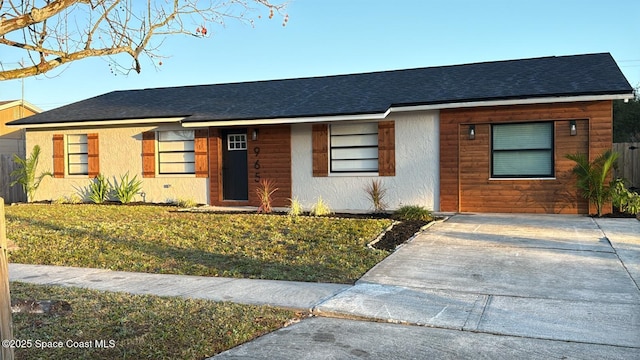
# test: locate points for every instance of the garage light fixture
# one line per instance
(472, 132)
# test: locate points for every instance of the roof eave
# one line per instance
(114, 122)
(405, 108)
(515, 101)
(26, 104)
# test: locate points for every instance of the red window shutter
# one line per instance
(386, 148)
(93, 149)
(148, 154)
(58, 155)
(320, 148)
(200, 145)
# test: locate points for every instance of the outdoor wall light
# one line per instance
(572, 128)
(254, 135)
(472, 132)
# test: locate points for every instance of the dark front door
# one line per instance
(235, 177)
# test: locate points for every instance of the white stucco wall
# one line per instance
(120, 152)
(417, 171)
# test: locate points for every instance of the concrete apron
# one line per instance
(550, 277)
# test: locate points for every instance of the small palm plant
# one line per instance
(592, 177)
(376, 193)
(265, 190)
(25, 174)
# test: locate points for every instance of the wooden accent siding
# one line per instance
(93, 155)
(386, 148)
(58, 155)
(200, 146)
(320, 146)
(148, 154)
(269, 157)
(215, 166)
(465, 173)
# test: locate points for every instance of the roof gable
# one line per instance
(366, 93)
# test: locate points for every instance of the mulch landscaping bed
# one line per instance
(399, 234)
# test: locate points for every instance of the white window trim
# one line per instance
(229, 142)
(66, 158)
(354, 174)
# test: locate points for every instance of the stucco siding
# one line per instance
(119, 152)
(417, 173)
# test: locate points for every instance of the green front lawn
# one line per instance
(156, 239)
(136, 326)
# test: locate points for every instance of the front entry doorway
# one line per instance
(235, 175)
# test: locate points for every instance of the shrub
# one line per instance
(626, 201)
(320, 208)
(99, 189)
(25, 174)
(376, 193)
(295, 208)
(265, 190)
(185, 203)
(592, 177)
(72, 199)
(126, 189)
(413, 212)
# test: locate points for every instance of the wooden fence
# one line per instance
(10, 194)
(628, 162)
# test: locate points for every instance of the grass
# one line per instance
(141, 326)
(155, 240)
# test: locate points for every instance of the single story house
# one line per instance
(482, 137)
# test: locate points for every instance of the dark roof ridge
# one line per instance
(247, 82)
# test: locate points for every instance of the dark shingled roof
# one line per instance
(367, 93)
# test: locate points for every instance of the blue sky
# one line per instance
(326, 37)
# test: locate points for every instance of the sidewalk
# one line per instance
(287, 294)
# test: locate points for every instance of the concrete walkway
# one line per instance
(288, 294)
(494, 286)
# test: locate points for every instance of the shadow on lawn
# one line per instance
(169, 259)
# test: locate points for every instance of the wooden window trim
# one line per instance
(58, 156)
(201, 146)
(201, 153)
(93, 155)
(60, 152)
(320, 149)
(386, 148)
(149, 154)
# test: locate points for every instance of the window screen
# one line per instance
(522, 150)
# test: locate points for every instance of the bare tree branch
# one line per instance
(56, 32)
(36, 15)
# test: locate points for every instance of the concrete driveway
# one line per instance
(534, 286)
